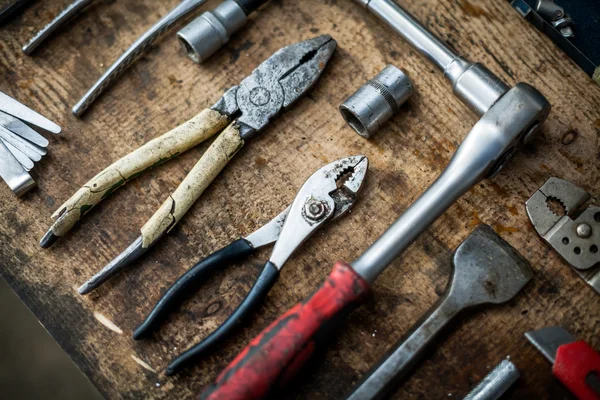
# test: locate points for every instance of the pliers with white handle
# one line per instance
(272, 87)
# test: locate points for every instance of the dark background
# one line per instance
(32, 365)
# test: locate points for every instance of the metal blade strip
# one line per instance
(20, 156)
(13, 172)
(34, 152)
(20, 128)
(18, 110)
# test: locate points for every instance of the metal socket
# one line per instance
(202, 37)
(377, 101)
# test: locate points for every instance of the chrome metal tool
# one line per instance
(374, 103)
(553, 21)
(572, 230)
(144, 42)
(20, 146)
(241, 113)
(509, 118)
(73, 9)
(327, 195)
(556, 16)
(487, 270)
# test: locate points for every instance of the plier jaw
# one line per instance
(276, 84)
(569, 195)
(328, 194)
(351, 174)
(574, 231)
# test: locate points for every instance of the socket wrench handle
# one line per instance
(274, 357)
(401, 360)
(490, 145)
(412, 31)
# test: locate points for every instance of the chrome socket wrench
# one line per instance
(487, 270)
(509, 119)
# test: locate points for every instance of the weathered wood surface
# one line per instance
(165, 89)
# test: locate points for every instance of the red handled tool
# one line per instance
(274, 357)
(575, 363)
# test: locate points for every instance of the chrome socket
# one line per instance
(373, 104)
(202, 37)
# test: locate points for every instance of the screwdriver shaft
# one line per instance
(406, 353)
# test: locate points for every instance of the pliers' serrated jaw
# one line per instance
(327, 195)
(343, 180)
(571, 196)
(351, 170)
(288, 59)
(277, 83)
(355, 182)
(304, 77)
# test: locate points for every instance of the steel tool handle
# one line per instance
(577, 366)
(133, 52)
(406, 353)
(171, 144)
(190, 282)
(204, 172)
(259, 291)
(277, 354)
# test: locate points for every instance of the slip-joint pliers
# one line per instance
(273, 86)
(327, 195)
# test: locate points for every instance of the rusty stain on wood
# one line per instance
(164, 89)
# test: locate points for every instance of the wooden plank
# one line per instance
(164, 89)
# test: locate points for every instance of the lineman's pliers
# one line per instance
(273, 86)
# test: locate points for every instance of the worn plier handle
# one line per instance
(189, 282)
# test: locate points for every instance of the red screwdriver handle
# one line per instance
(272, 358)
(574, 366)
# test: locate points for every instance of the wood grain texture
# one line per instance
(164, 88)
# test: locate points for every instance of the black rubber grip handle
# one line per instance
(259, 291)
(189, 283)
(249, 6)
